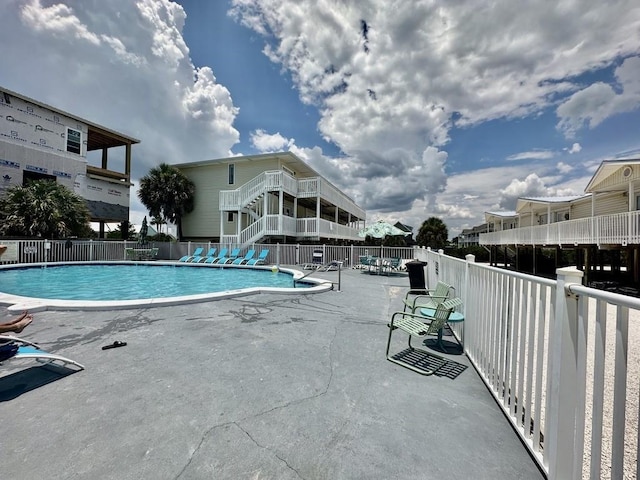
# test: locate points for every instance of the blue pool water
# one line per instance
(133, 282)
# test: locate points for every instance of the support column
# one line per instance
(280, 212)
(318, 207)
(587, 265)
(104, 158)
(127, 160)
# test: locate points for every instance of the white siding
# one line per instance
(607, 204)
(616, 179)
(581, 209)
(526, 220)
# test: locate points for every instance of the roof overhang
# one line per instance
(538, 203)
(286, 158)
(606, 169)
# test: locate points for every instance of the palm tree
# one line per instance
(167, 193)
(45, 209)
(433, 233)
(158, 222)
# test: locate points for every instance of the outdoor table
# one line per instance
(454, 317)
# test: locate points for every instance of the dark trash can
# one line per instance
(415, 268)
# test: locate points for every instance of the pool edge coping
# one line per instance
(17, 303)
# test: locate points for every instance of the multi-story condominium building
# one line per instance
(267, 197)
(605, 219)
(38, 141)
(471, 236)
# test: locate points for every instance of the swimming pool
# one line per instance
(108, 285)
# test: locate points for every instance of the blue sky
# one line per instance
(415, 109)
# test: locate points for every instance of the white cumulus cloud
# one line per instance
(124, 65)
(592, 105)
(391, 79)
(532, 155)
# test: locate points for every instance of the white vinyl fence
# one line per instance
(555, 355)
(36, 251)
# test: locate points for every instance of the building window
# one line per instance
(232, 174)
(562, 216)
(229, 216)
(74, 140)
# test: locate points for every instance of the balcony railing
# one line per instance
(617, 229)
(278, 180)
(283, 225)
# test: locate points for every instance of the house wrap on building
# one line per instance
(267, 198)
(38, 141)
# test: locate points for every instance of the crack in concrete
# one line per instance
(273, 452)
(197, 449)
(258, 415)
(304, 399)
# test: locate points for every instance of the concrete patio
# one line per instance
(261, 387)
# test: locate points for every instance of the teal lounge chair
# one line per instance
(16, 348)
(196, 253)
(245, 259)
(216, 258)
(202, 258)
(232, 256)
(261, 258)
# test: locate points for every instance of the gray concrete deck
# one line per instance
(262, 387)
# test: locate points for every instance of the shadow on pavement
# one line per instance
(16, 384)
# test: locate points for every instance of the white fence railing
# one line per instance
(36, 251)
(555, 355)
(618, 229)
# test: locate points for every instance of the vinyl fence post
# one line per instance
(466, 296)
(278, 254)
(560, 437)
(352, 260)
(91, 250)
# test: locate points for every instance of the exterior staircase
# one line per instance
(249, 198)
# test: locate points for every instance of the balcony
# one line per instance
(300, 228)
(276, 181)
(618, 229)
